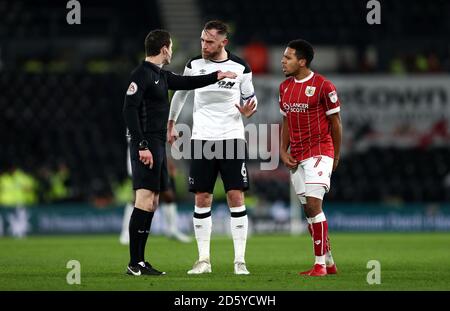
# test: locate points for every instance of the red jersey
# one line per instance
(306, 104)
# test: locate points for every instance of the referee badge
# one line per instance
(132, 89)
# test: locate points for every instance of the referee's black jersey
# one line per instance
(146, 106)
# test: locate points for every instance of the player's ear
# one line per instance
(302, 62)
(225, 42)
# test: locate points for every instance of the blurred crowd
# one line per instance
(19, 187)
(62, 91)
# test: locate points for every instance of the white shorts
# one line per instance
(310, 174)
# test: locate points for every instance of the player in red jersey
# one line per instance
(312, 129)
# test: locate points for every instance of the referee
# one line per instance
(146, 111)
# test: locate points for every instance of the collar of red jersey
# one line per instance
(304, 79)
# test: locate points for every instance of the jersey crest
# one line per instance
(310, 90)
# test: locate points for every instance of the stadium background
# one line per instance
(63, 146)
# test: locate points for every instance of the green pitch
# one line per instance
(408, 262)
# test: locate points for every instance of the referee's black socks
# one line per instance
(140, 223)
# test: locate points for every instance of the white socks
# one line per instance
(239, 228)
(320, 260)
(202, 227)
(329, 259)
(124, 234)
(318, 218)
(169, 210)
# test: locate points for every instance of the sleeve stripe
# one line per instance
(283, 113)
(248, 97)
(334, 110)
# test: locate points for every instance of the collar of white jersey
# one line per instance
(222, 61)
(305, 79)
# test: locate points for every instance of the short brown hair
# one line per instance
(220, 26)
(155, 40)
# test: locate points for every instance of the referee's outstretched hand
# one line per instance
(227, 74)
(146, 157)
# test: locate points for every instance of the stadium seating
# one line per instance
(70, 118)
(327, 22)
(100, 18)
(49, 117)
(390, 175)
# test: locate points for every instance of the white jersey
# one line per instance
(215, 116)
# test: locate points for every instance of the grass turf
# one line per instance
(409, 261)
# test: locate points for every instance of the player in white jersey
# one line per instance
(217, 123)
(168, 209)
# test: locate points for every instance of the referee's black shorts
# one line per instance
(231, 165)
(156, 178)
